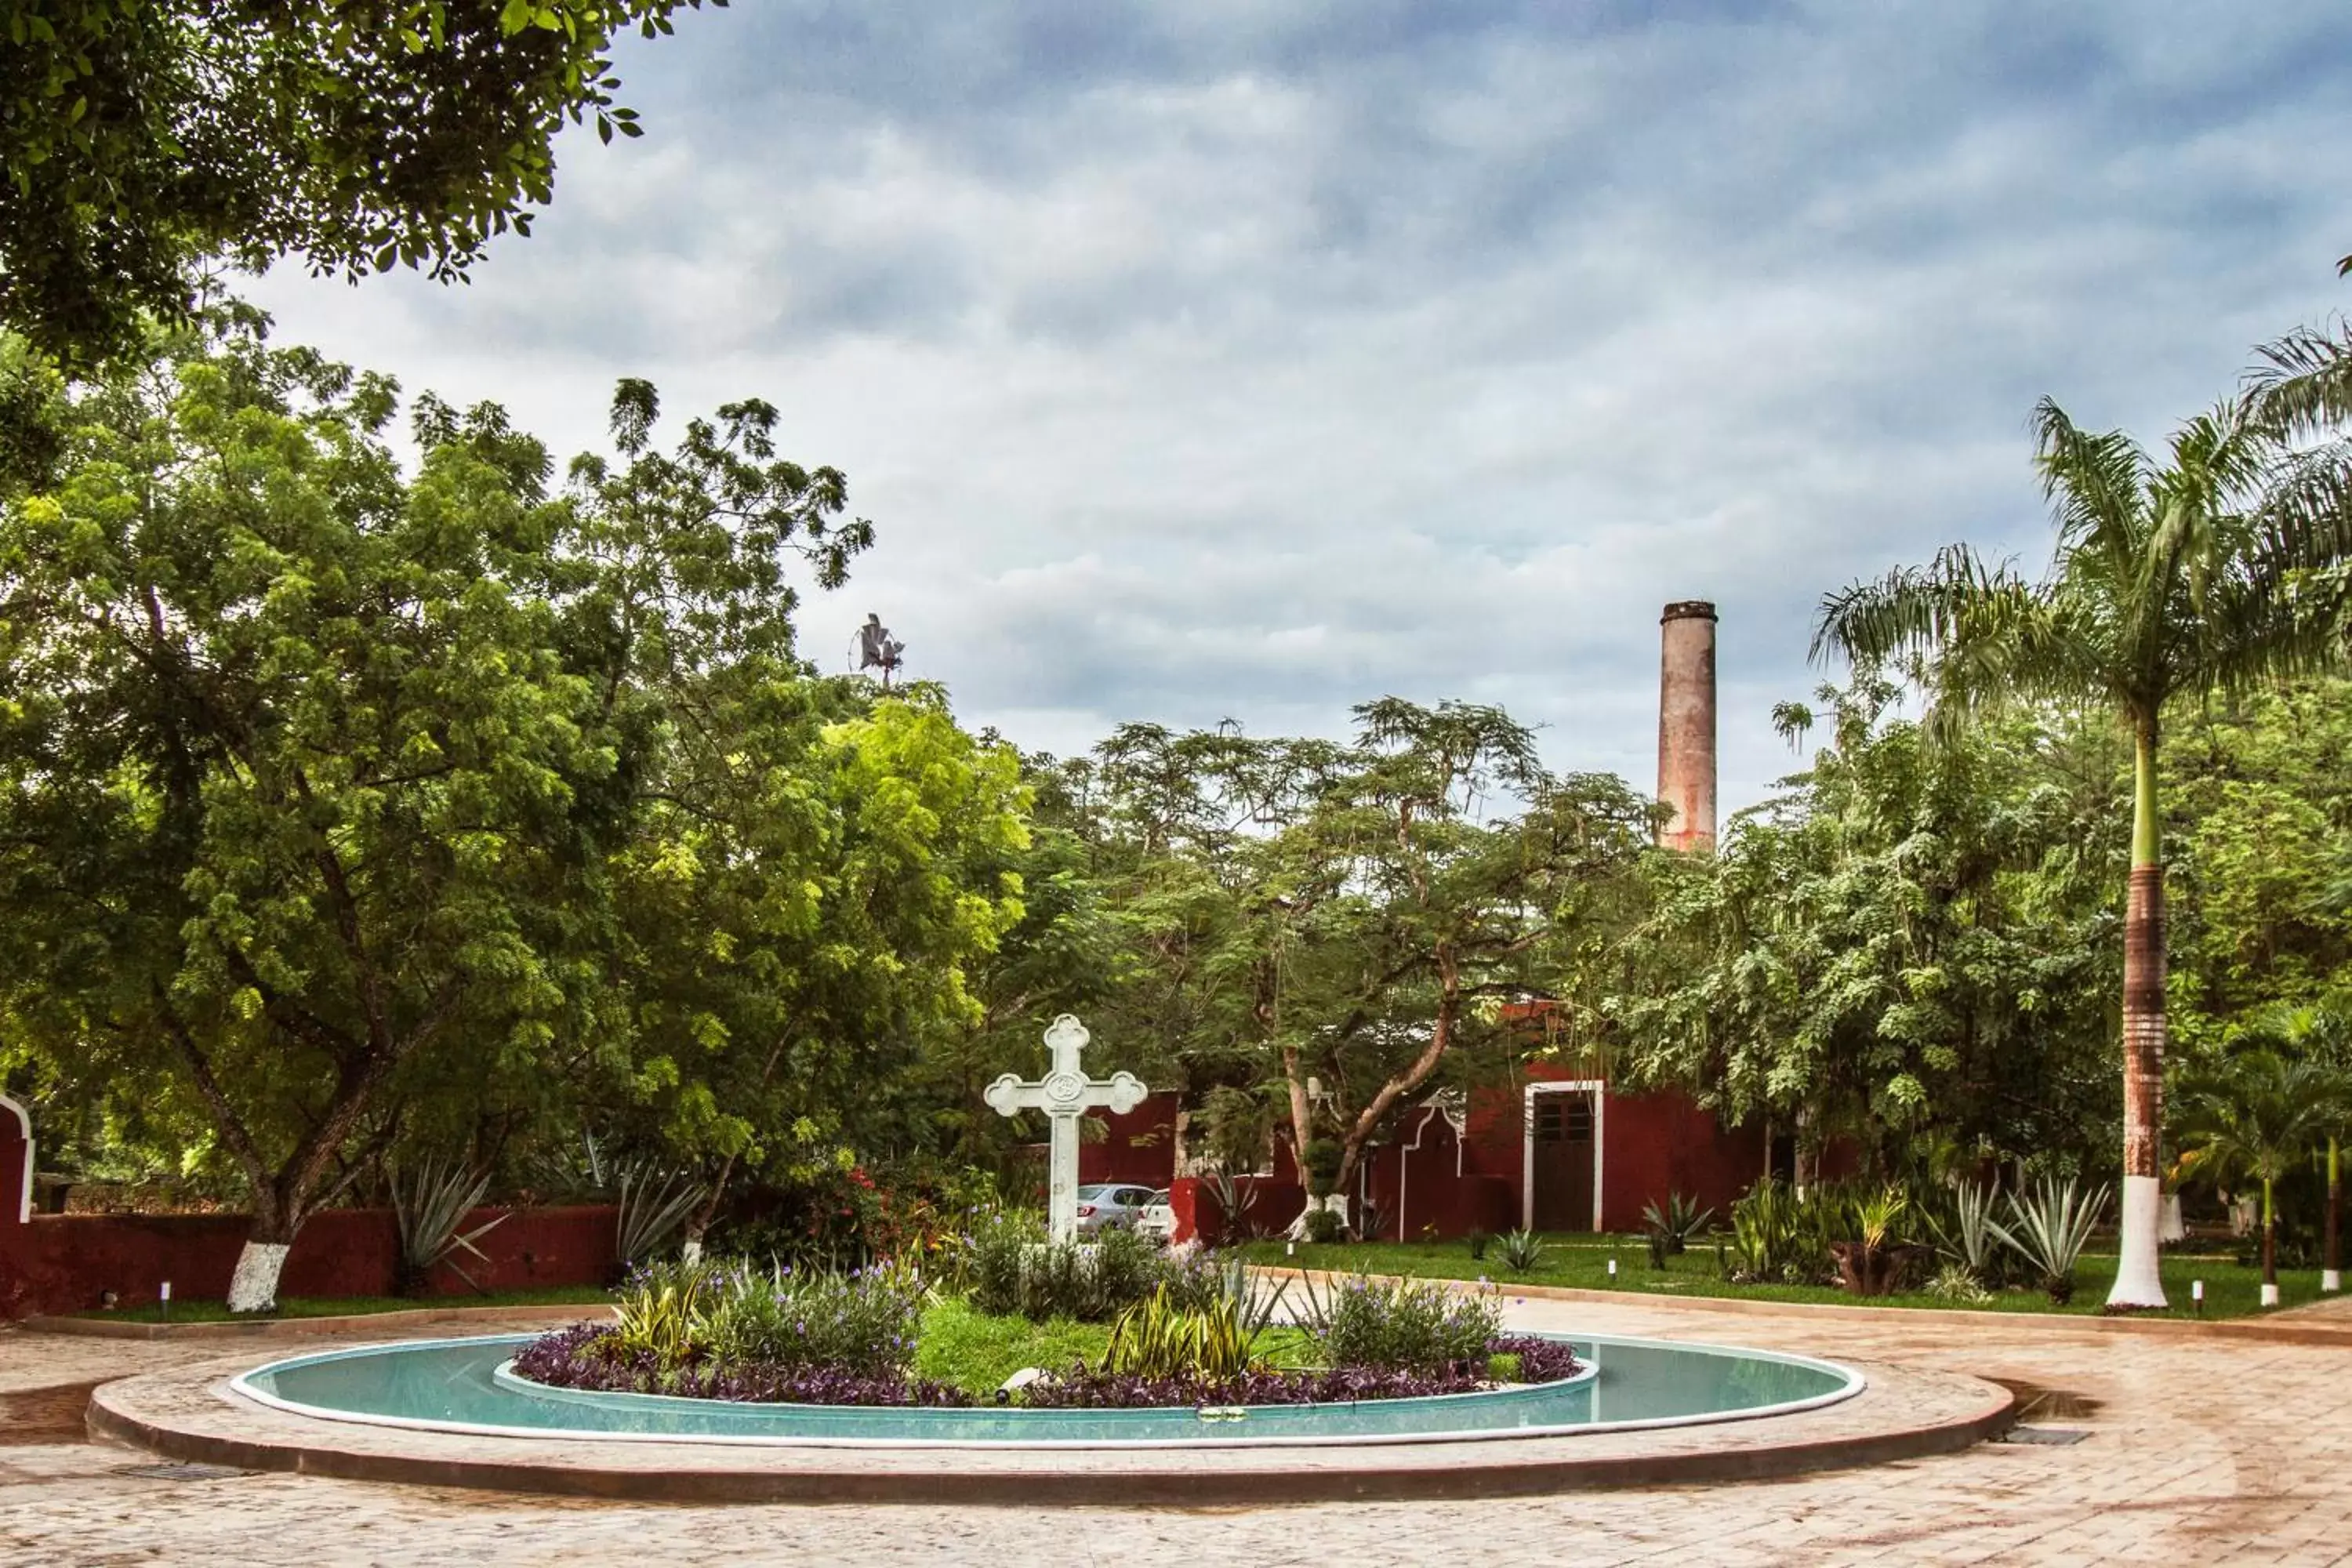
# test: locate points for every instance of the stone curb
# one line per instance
(295, 1328)
(2280, 1329)
(1282, 1478)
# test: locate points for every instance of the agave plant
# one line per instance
(429, 1203)
(2050, 1229)
(1678, 1221)
(651, 1205)
(1522, 1250)
(1969, 1240)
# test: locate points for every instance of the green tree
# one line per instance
(2317, 1037)
(137, 140)
(2257, 1114)
(1903, 949)
(2166, 580)
(314, 772)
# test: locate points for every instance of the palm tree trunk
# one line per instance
(2270, 1247)
(2137, 1281)
(2331, 1269)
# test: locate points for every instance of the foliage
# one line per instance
(1957, 1282)
(1157, 1338)
(2259, 1114)
(1321, 1161)
(1678, 1221)
(662, 1312)
(1016, 1271)
(591, 1356)
(2221, 567)
(1541, 1358)
(1477, 1241)
(1323, 1225)
(2049, 1230)
(430, 1202)
(1081, 1388)
(1872, 1216)
(648, 1206)
(862, 1324)
(138, 142)
(1522, 1250)
(1403, 1326)
(1967, 1239)
(1906, 944)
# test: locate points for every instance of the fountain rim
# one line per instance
(1851, 1383)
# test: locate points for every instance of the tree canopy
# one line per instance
(139, 141)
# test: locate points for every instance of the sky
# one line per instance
(1253, 359)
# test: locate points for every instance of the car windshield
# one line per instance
(1156, 1200)
(1094, 1192)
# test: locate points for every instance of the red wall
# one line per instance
(60, 1263)
(13, 1174)
(1199, 1217)
(1141, 1147)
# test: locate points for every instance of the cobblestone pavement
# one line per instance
(2198, 1450)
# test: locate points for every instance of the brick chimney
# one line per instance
(1686, 723)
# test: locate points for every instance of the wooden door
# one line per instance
(1563, 1159)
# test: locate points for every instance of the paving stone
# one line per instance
(2218, 1450)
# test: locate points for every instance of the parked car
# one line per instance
(1158, 1218)
(1111, 1205)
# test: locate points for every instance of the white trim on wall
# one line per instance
(24, 1126)
(1599, 1091)
(1406, 1150)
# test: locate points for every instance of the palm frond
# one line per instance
(2304, 383)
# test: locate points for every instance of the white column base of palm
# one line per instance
(2137, 1283)
(2269, 1295)
(2331, 1280)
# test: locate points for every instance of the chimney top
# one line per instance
(1688, 610)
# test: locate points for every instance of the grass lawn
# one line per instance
(357, 1306)
(977, 1352)
(2231, 1290)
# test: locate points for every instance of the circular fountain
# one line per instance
(470, 1386)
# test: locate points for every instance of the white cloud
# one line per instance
(1256, 359)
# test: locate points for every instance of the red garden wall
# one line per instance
(62, 1263)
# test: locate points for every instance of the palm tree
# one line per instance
(2257, 1114)
(2165, 581)
(2320, 1034)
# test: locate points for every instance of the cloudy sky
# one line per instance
(1253, 358)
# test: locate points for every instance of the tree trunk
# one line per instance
(253, 1288)
(2137, 1285)
(2331, 1268)
(2270, 1247)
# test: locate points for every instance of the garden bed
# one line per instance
(1580, 1262)
(1203, 1336)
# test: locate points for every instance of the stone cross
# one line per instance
(1064, 1094)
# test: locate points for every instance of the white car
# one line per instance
(1157, 1220)
(1110, 1206)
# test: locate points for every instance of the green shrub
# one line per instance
(1502, 1368)
(1324, 1226)
(1407, 1326)
(1321, 1164)
(1477, 1241)
(863, 1323)
(1015, 1272)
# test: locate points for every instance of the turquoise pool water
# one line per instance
(463, 1385)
